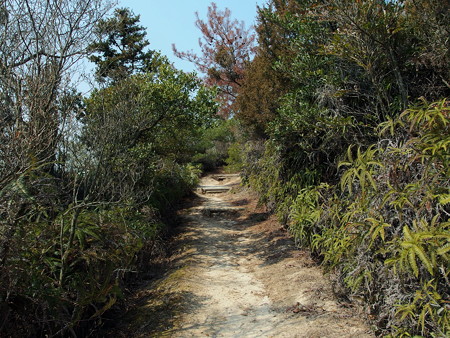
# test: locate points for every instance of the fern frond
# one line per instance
(419, 251)
(412, 262)
(443, 249)
(444, 199)
(407, 233)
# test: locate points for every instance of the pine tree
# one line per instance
(120, 47)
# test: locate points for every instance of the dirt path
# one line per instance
(236, 273)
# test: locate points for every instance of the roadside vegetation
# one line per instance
(346, 109)
(87, 184)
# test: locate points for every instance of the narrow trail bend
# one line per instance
(236, 273)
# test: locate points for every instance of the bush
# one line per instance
(385, 229)
(214, 143)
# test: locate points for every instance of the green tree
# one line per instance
(120, 47)
(131, 126)
(389, 43)
(301, 116)
(265, 83)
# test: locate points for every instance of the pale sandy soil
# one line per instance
(236, 273)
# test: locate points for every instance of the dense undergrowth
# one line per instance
(383, 230)
(353, 153)
(88, 184)
(66, 264)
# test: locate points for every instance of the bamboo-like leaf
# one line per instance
(112, 300)
(412, 262)
(407, 233)
(443, 249)
(423, 257)
(407, 310)
(346, 181)
(372, 181)
(349, 154)
(444, 199)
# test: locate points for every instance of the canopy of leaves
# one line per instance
(145, 118)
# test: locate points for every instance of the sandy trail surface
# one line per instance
(236, 273)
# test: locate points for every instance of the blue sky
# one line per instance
(173, 21)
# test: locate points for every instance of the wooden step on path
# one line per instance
(222, 177)
(217, 209)
(213, 189)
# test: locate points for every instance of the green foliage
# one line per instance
(384, 229)
(418, 245)
(335, 244)
(171, 182)
(426, 306)
(361, 169)
(377, 230)
(431, 123)
(118, 50)
(72, 262)
(142, 125)
(71, 237)
(330, 74)
(399, 220)
(213, 144)
(305, 214)
(234, 160)
(81, 208)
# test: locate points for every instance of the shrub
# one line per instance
(385, 230)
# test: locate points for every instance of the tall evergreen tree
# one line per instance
(120, 49)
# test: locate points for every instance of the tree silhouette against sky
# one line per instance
(226, 48)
